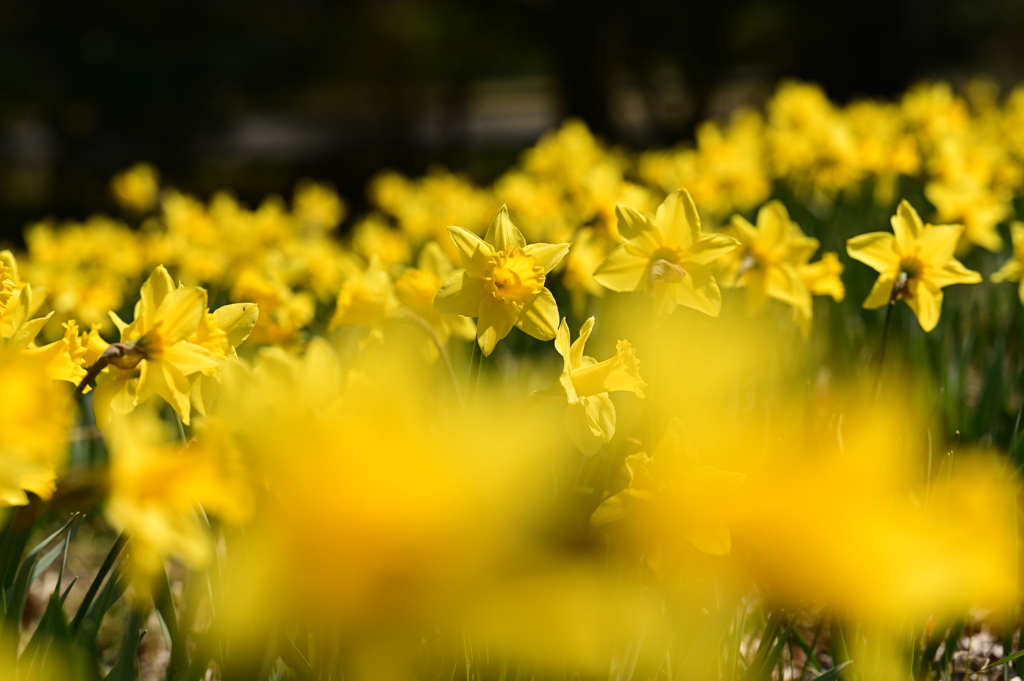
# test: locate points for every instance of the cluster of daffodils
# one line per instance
(592, 416)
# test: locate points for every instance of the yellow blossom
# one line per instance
(914, 264)
(155, 487)
(318, 205)
(34, 417)
(137, 187)
(366, 298)
(773, 262)
(585, 384)
(155, 356)
(667, 256)
(502, 283)
(417, 287)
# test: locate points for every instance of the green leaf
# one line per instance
(833, 673)
(125, 668)
(94, 588)
(297, 662)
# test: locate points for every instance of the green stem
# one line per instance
(883, 347)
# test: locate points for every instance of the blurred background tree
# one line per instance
(254, 94)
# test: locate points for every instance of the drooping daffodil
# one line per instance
(667, 255)
(502, 283)
(585, 384)
(914, 264)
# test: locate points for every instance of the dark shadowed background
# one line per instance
(253, 94)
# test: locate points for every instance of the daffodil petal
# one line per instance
(180, 313)
(237, 321)
(502, 234)
(496, 319)
(578, 346)
(953, 272)
(699, 290)
(631, 221)
(189, 358)
(937, 244)
(548, 255)
(881, 292)
(624, 269)
(927, 306)
(906, 226)
(539, 317)
(710, 247)
(877, 250)
(461, 294)
(473, 251)
(154, 290)
(677, 219)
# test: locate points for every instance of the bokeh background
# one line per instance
(254, 94)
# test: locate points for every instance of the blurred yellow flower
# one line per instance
(672, 498)
(317, 205)
(418, 286)
(773, 262)
(667, 256)
(157, 490)
(137, 187)
(34, 417)
(585, 384)
(914, 264)
(502, 283)
(366, 298)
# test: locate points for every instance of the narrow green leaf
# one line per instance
(94, 588)
(297, 662)
(833, 673)
(125, 669)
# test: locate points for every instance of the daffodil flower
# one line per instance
(672, 497)
(418, 286)
(914, 264)
(154, 356)
(585, 384)
(774, 262)
(667, 255)
(502, 283)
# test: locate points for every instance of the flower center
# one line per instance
(912, 267)
(515, 276)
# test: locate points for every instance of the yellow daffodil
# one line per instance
(502, 283)
(773, 262)
(667, 256)
(914, 264)
(672, 497)
(137, 188)
(154, 356)
(34, 417)
(155, 487)
(318, 206)
(366, 298)
(585, 384)
(1013, 269)
(417, 287)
